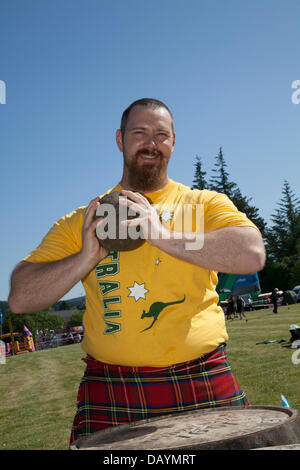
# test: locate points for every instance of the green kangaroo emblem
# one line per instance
(155, 310)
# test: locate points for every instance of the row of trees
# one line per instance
(281, 236)
(40, 321)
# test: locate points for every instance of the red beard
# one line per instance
(150, 175)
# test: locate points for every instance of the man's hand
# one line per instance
(36, 286)
(148, 218)
(92, 252)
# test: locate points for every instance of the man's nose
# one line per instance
(150, 141)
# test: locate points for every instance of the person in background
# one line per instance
(250, 304)
(231, 308)
(274, 300)
(240, 306)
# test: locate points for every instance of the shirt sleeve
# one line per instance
(221, 212)
(62, 240)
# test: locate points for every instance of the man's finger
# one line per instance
(133, 206)
(91, 210)
(137, 197)
(97, 222)
(134, 222)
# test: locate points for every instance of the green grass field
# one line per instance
(38, 390)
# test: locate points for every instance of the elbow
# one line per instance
(251, 261)
(256, 253)
(16, 294)
(260, 262)
(257, 259)
(260, 255)
(14, 305)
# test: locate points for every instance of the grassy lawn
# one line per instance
(38, 390)
(265, 371)
(38, 398)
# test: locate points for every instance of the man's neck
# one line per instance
(162, 184)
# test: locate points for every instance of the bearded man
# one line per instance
(155, 336)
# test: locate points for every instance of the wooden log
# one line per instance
(223, 428)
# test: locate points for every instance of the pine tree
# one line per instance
(199, 181)
(220, 182)
(295, 272)
(283, 246)
(243, 205)
(283, 235)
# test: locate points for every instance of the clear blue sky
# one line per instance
(225, 69)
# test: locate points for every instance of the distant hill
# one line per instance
(78, 302)
(66, 314)
(74, 304)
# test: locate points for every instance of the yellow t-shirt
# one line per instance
(145, 307)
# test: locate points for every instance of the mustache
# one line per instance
(150, 153)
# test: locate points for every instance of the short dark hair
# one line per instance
(147, 102)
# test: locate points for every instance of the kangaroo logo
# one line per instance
(155, 310)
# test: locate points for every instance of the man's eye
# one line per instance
(162, 135)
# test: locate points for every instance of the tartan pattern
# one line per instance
(110, 395)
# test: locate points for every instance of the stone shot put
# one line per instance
(112, 235)
(155, 336)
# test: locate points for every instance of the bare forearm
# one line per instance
(229, 250)
(35, 286)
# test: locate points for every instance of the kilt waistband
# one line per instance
(203, 361)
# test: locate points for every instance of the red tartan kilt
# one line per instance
(109, 395)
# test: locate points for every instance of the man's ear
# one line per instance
(174, 139)
(119, 140)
